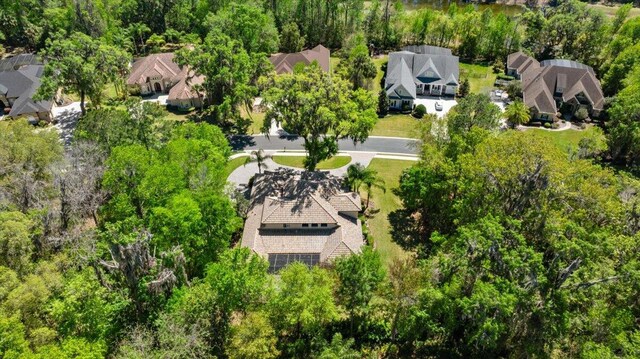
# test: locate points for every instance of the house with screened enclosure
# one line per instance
(302, 217)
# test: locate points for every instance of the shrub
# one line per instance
(547, 125)
(497, 66)
(505, 77)
(581, 114)
(555, 125)
(419, 111)
(464, 88)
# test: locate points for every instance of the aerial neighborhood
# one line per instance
(319, 179)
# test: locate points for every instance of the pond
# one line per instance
(507, 9)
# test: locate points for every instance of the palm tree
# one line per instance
(358, 175)
(353, 177)
(517, 113)
(260, 157)
(370, 180)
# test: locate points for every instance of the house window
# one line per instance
(305, 225)
(314, 225)
(323, 225)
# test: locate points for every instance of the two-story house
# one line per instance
(420, 71)
(553, 86)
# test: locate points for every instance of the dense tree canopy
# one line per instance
(319, 108)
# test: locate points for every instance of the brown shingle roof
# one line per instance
(346, 202)
(284, 63)
(183, 89)
(521, 62)
(540, 85)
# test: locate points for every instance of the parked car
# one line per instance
(438, 106)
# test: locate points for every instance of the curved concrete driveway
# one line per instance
(378, 144)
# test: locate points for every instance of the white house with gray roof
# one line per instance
(302, 217)
(420, 71)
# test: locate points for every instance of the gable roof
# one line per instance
(15, 62)
(154, 65)
(292, 197)
(183, 89)
(20, 85)
(420, 64)
(540, 85)
(521, 62)
(284, 63)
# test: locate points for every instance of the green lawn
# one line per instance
(233, 164)
(387, 202)
(611, 10)
(296, 161)
(397, 125)
(569, 139)
(375, 86)
(481, 78)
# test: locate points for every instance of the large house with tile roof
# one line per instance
(159, 74)
(553, 86)
(284, 63)
(302, 216)
(19, 80)
(420, 71)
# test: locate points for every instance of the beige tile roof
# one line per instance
(309, 210)
(182, 90)
(153, 65)
(273, 202)
(346, 202)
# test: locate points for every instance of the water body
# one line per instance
(509, 10)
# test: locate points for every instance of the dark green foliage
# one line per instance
(419, 111)
(383, 103)
(464, 88)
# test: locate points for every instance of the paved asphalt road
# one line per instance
(373, 144)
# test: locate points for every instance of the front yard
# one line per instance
(297, 161)
(397, 125)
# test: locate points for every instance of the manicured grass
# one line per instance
(481, 78)
(569, 139)
(387, 202)
(233, 164)
(257, 119)
(397, 125)
(296, 161)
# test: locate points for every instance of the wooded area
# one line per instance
(123, 243)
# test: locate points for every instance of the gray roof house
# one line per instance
(420, 71)
(302, 217)
(19, 81)
(553, 86)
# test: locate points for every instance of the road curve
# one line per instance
(377, 144)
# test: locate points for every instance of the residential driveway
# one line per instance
(376, 144)
(242, 175)
(66, 118)
(160, 99)
(430, 104)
